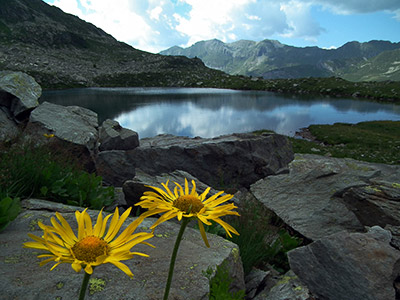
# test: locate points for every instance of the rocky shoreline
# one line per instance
(347, 211)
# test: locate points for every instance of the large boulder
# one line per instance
(24, 279)
(69, 127)
(323, 195)
(349, 266)
(114, 137)
(114, 167)
(8, 127)
(230, 160)
(19, 92)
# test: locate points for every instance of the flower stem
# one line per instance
(85, 282)
(185, 221)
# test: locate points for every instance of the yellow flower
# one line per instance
(92, 247)
(188, 204)
(49, 136)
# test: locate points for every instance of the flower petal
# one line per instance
(203, 233)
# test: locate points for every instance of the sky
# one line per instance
(156, 25)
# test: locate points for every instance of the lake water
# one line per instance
(213, 112)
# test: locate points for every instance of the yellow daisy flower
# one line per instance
(92, 247)
(188, 204)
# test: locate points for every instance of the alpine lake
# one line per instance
(209, 112)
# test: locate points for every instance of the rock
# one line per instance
(24, 279)
(134, 189)
(73, 124)
(395, 232)
(74, 128)
(348, 266)
(114, 137)
(258, 280)
(314, 198)
(288, 287)
(119, 200)
(376, 203)
(230, 160)
(25, 90)
(8, 128)
(114, 167)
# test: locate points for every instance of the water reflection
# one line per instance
(213, 112)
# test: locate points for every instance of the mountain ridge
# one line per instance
(271, 59)
(60, 50)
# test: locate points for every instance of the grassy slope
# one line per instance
(376, 141)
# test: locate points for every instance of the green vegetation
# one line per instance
(220, 284)
(376, 141)
(29, 171)
(9, 210)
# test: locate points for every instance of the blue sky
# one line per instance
(155, 25)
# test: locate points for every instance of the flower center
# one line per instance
(188, 204)
(89, 248)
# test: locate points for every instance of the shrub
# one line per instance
(29, 171)
(9, 210)
(220, 284)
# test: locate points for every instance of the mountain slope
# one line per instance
(384, 66)
(271, 59)
(61, 50)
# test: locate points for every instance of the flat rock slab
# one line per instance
(349, 266)
(315, 198)
(23, 278)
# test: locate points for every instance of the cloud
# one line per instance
(300, 21)
(358, 6)
(154, 25)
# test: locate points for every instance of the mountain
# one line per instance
(270, 59)
(384, 66)
(60, 50)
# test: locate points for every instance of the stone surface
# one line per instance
(114, 137)
(231, 160)
(115, 167)
(25, 89)
(258, 281)
(288, 287)
(8, 128)
(71, 128)
(348, 266)
(24, 279)
(312, 197)
(376, 203)
(395, 231)
(73, 124)
(134, 189)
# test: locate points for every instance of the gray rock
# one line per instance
(134, 189)
(258, 281)
(114, 137)
(375, 203)
(231, 160)
(72, 124)
(395, 232)
(25, 89)
(312, 197)
(119, 200)
(288, 287)
(115, 167)
(8, 128)
(74, 129)
(24, 279)
(348, 266)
